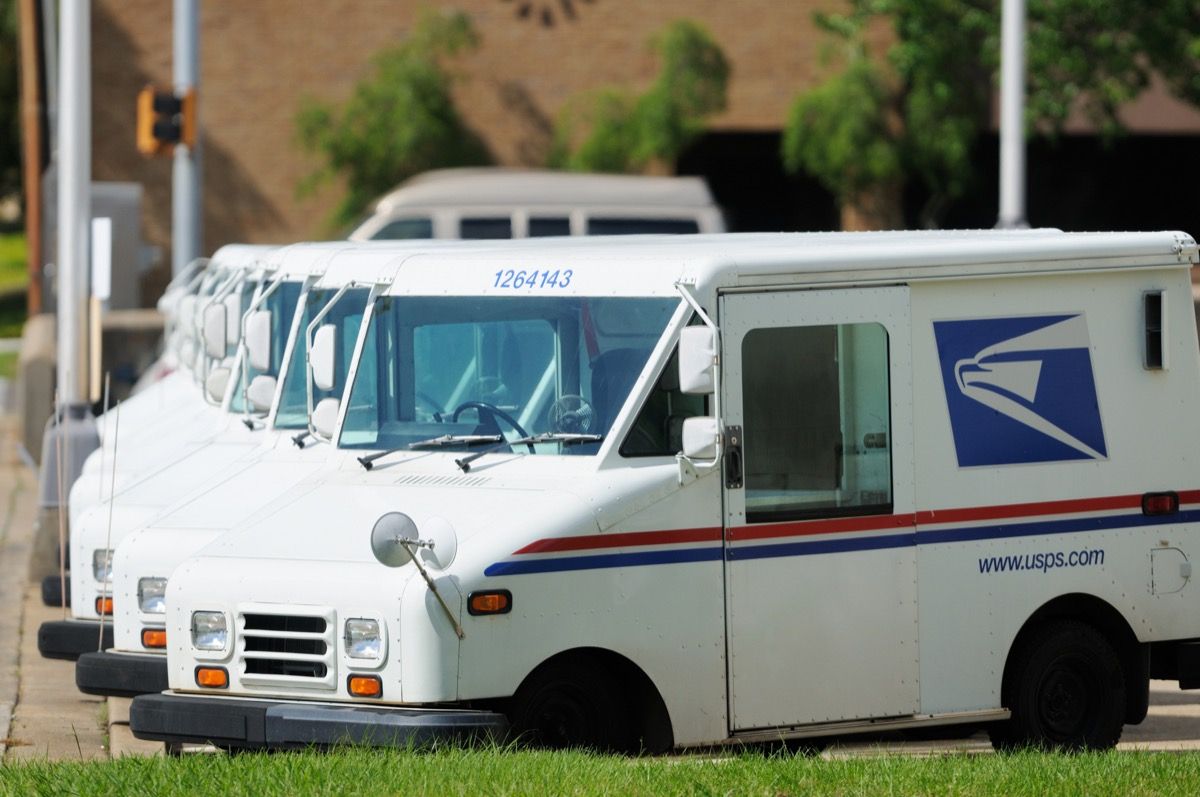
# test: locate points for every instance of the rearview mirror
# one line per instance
(215, 384)
(324, 417)
(215, 331)
(697, 352)
(258, 340)
(700, 437)
(261, 392)
(321, 356)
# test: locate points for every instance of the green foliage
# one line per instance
(10, 129)
(399, 122)
(615, 131)
(938, 75)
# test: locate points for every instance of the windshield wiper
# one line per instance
(368, 462)
(566, 438)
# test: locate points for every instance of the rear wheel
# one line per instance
(566, 705)
(1065, 689)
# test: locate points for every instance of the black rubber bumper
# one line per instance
(268, 724)
(69, 639)
(120, 674)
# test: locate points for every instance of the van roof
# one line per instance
(511, 187)
(651, 265)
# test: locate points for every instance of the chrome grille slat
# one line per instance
(266, 631)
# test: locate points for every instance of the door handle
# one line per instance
(733, 457)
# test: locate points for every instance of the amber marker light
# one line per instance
(103, 605)
(364, 686)
(495, 601)
(212, 677)
(154, 637)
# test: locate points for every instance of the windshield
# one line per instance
(282, 304)
(346, 316)
(511, 366)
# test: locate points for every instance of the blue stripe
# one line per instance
(809, 548)
(599, 561)
(839, 545)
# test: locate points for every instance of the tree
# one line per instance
(914, 111)
(10, 130)
(613, 130)
(399, 122)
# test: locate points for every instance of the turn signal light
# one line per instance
(154, 637)
(365, 686)
(212, 677)
(103, 605)
(497, 601)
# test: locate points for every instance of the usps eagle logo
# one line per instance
(1020, 390)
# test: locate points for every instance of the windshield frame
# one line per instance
(619, 428)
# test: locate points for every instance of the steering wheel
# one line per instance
(494, 412)
(435, 409)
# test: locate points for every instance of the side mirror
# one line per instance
(700, 437)
(216, 331)
(260, 393)
(321, 356)
(233, 317)
(324, 417)
(186, 317)
(697, 351)
(258, 340)
(215, 384)
(187, 351)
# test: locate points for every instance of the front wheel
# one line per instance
(1066, 691)
(571, 705)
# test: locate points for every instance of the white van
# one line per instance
(493, 202)
(690, 491)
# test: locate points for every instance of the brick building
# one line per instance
(260, 59)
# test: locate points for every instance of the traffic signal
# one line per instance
(165, 119)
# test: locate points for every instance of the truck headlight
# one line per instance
(209, 631)
(102, 564)
(362, 639)
(152, 595)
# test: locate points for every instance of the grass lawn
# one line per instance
(502, 772)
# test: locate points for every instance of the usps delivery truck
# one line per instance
(664, 493)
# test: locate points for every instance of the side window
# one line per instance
(658, 429)
(817, 436)
(405, 229)
(485, 228)
(540, 226)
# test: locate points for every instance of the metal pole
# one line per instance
(186, 235)
(1012, 115)
(74, 200)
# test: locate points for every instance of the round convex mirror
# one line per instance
(387, 539)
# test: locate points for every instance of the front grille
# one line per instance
(291, 645)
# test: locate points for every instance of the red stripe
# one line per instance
(625, 539)
(844, 525)
(802, 528)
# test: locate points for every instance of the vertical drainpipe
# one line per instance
(186, 236)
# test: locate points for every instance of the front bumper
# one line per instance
(120, 674)
(69, 639)
(246, 723)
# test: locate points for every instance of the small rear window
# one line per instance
(499, 227)
(404, 229)
(539, 227)
(615, 226)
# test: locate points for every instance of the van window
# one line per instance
(404, 229)
(817, 436)
(543, 226)
(477, 229)
(615, 226)
(658, 429)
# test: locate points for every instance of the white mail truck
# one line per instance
(669, 492)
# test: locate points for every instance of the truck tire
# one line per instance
(1065, 689)
(572, 705)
